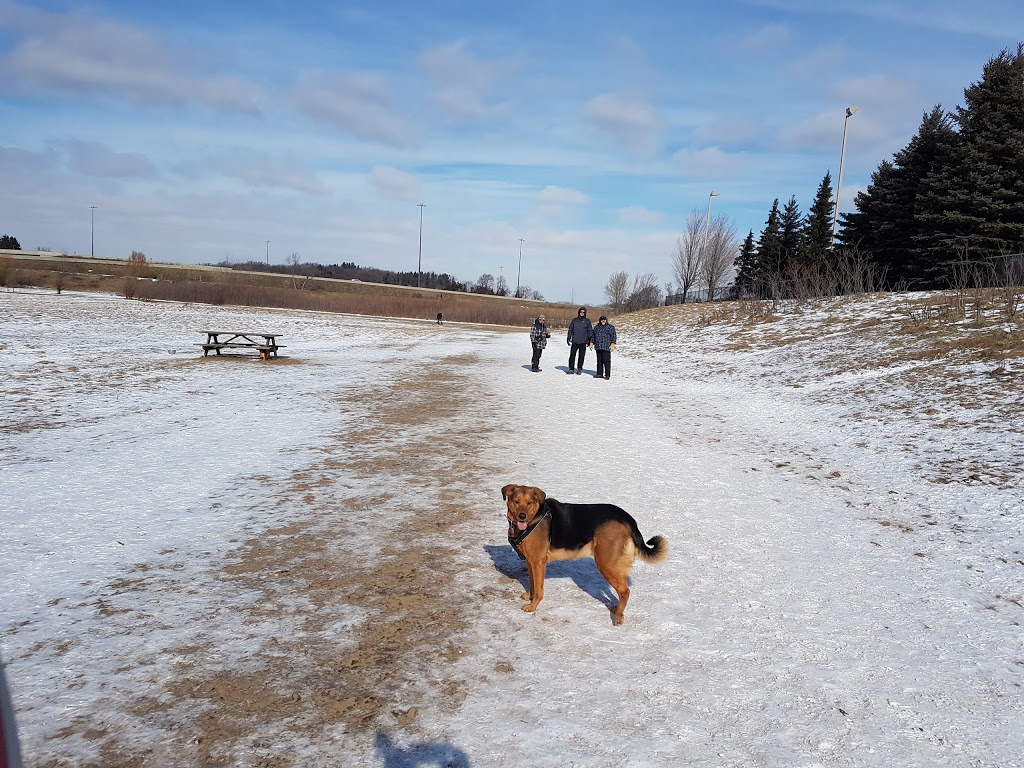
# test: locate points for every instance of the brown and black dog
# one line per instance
(542, 529)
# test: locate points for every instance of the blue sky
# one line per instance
(591, 130)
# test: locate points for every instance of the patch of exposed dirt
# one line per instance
(320, 678)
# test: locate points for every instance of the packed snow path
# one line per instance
(823, 604)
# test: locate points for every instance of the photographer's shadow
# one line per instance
(442, 755)
(583, 573)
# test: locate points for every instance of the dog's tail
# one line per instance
(654, 550)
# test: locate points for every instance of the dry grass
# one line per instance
(154, 281)
(952, 366)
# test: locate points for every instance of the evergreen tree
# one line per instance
(746, 267)
(972, 202)
(817, 230)
(791, 235)
(900, 224)
(857, 229)
(888, 223)
(10, 243)
(769, 247)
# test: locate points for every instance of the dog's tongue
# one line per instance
(521, 525)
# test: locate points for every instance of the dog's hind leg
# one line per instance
(615, 568)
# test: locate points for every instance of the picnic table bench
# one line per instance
(264, 343)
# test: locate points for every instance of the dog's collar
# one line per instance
(516, 539)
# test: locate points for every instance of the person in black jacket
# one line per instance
(539, 336)
(604, 343)
(581, 333)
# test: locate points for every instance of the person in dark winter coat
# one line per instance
(604, 343)
(539, 336)
(581, 333)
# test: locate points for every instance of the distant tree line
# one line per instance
(351, 271)
(485, 284)
(9, 243)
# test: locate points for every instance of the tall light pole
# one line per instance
(839, 183)
(92, 230)
(268, 251)
(519, 274)
(707, 220)
(419, 264)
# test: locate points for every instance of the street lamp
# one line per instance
(92, 230)
(268, 251)
(419, 264)
(707, 220)
(839, 183)
(520, 272)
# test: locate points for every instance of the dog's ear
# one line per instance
(505, 490)
(539, 495)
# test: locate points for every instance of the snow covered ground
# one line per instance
(844, 586)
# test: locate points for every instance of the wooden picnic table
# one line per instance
(264, 343)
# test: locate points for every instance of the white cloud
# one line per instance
(562, 196)
(709, 162)
(465, 81)
(394, 183)
(637, 214)
(93, 159)
(259, 171)
(358, 103)
(75, 52)
(632, 122)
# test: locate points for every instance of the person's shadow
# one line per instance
(583, 572)
(441, 755)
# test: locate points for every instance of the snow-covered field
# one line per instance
(845, 585)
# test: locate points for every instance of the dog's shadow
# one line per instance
(583, 573)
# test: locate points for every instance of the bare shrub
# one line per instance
(644, 294)
(138, 264)
(129, 287)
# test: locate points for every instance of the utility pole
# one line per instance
(520, 273)
(419, 263)
(92, 230)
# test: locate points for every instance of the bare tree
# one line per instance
(644, 293)
(719, 253)
(616, 290)
(501, 288)
(294, 262)
(687, 259)
(484, 284)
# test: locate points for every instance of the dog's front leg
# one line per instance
(536, 570)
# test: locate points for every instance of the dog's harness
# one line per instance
(517, 538)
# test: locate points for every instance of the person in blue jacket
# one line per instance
(581, 333)
(604, 343)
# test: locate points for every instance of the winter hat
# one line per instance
(541, 317)
(583, 310)
(602, 317)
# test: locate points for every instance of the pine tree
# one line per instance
(9, 242)
(746, 267)
(791, 235)
(817, 230)
(900, 225)
(769, 248)
(858, 228)
(972, 202)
